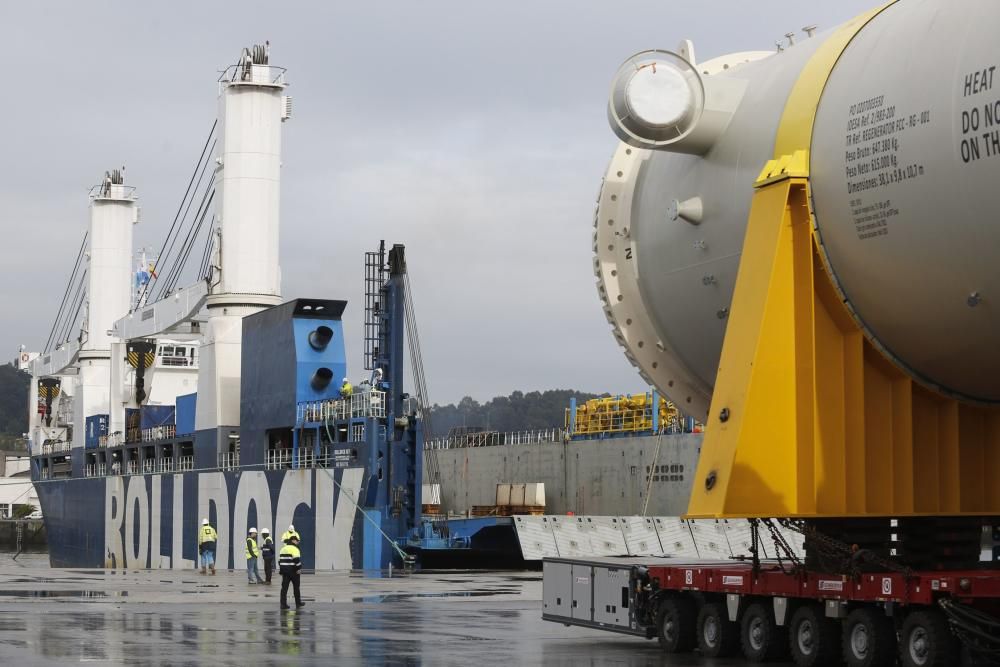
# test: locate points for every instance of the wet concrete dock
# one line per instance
(182, 618)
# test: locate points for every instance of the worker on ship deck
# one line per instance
(289, 565)
(346, 389)
(207, 539)
(252, 553)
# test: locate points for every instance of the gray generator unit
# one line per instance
(594, 593)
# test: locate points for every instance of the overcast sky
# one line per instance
(473, 132)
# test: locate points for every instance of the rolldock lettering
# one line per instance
(152, 521)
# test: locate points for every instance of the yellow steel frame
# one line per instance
(808, 418)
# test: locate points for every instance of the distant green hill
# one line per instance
(14, 386)
(518, 412)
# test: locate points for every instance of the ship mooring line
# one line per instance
(402, 554)
(652, 469)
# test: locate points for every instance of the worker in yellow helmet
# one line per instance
(207, 538)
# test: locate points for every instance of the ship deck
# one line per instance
(50, 616)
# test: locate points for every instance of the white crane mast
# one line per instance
(113, 211)
(248, 177)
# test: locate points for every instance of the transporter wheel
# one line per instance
(717, 635)
(869, 638)
(675, 623)
(813, 639)
(760, 636)
(926, 641)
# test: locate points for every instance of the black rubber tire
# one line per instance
(822, 645)
(760, 637)
(679, 636)
(933, 646)
(878, 647)
(722, 638)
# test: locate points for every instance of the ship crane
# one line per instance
(240, 273)
(86, 361)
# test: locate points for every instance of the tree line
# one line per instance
(519, 411)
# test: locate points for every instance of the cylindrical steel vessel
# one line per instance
(905, 142)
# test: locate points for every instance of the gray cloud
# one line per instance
(473, 132)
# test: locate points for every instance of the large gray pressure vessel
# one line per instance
(905, 178)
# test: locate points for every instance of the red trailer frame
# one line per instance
(770, 610)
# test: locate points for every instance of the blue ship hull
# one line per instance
(152, 521)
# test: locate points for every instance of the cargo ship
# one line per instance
(612, 456)
(155, 406)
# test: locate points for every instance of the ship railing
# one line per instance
(497, 438)
(177, 362)
(45, 473)
(148, 466)
(185, 463)
(165, 465)
(102, 469)
(158, 433)
(371, 403)
(132, 468)
(229, 460)
(53, 447)
(278, 459)
(90, 470)
(102, 441)
(115, 439)
(307, 458)
(266, 74)
(122, 191)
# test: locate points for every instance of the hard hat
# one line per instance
(204, 522)
(253, 530)
(291, 528)
(265, 531)
(345, 380)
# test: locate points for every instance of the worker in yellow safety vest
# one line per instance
(290, 533)
(346, 389)
(289, 565)
(252, 552)
(207, 539)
